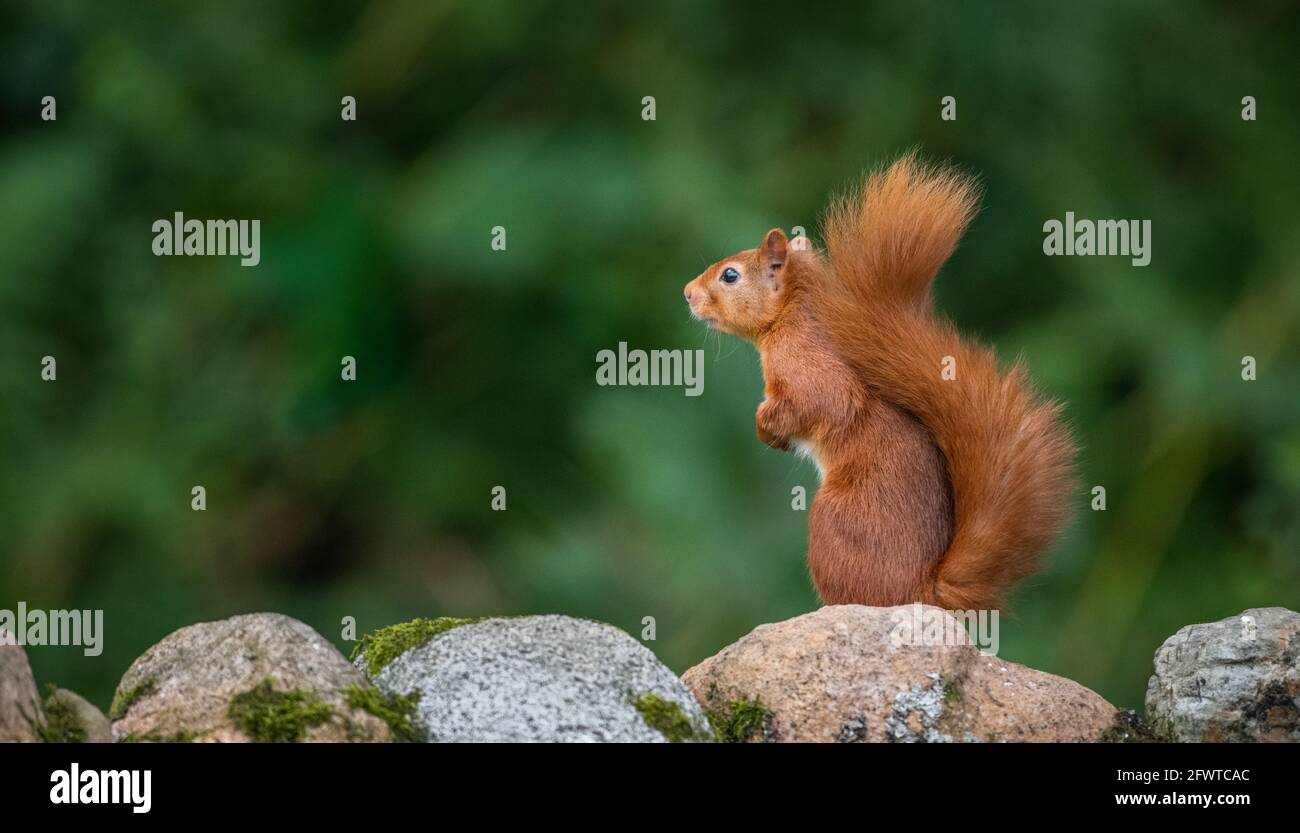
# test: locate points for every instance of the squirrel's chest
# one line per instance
(805, 449)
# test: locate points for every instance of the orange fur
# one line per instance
(939, 491)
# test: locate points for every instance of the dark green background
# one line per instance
(477, 368)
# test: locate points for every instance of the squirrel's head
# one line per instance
(742, 294)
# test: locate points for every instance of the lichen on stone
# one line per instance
(61, 723)
(853, 730)
(381, 647)
(270, 716)
(740, 720)
(123, 700)
(917, 714)
(396, 710)
(665, 717)
(1272, 714)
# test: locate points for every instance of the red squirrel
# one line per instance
(942, 488)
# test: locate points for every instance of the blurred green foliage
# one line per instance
(476, 368)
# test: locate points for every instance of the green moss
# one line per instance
(387, 644)
(952, 691)
(395, 710)
(61, 724)
(1131, 727)
(740, 720)
(123, 700)
(271, 716)
(665, 717)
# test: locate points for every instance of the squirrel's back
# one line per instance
(1009, 456)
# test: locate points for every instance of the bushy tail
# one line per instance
(1009, 457)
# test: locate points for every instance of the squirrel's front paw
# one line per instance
(763, 427)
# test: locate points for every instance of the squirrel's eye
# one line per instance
(730, 275)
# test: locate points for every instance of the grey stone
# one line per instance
(536, 678)
(182, 688)
(20, 703)
(1237, 679)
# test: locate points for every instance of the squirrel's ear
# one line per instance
(772, 255)
(774, 248)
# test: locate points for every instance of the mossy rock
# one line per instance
(123, 699)
(397, 710)
(1131, 727)
(260, 678)
(531, 678)
(70, 718)
(667, 718)
(741, 721)
(378, 648)
(271, 716)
